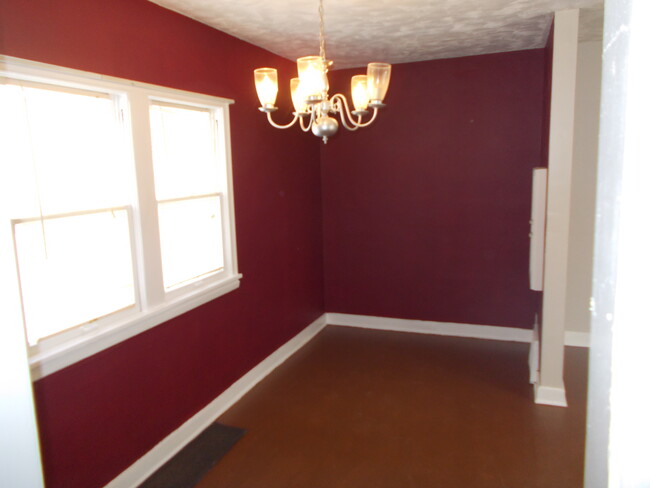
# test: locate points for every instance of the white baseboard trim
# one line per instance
(493, 332)
(547, 395)
(174, 442)
(428, 327)
(577, 339)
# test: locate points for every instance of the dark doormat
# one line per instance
(192, 462)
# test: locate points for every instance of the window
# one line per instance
(116, 207)
(188, 192)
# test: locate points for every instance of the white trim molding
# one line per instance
(174, 442)
(577, 339)
(492, 332)
(476, 331)
(547, 395)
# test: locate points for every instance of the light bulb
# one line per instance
(360, 92)
(298, 96)
(313, 77)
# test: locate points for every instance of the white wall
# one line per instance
(583, 186)
(618, 425)
(20, 460)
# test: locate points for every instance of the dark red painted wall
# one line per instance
(100, 415)
(426, 213)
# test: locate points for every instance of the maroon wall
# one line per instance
(100, 415)
(426, 213)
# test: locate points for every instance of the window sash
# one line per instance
(167, 144)
(207, 274)
(75, 329)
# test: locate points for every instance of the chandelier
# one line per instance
(309, 94)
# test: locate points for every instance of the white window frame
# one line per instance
(153, 305)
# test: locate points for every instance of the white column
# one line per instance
(583, 192)
(550, 388)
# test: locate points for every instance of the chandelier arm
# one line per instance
(372, 119)
(357, 124)
(278, 126)
(344, 109)
(302, 122)
(352, 127)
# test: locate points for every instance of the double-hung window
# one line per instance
(116, 207)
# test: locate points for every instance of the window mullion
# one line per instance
(146, 212)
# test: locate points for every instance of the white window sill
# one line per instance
(96, 339)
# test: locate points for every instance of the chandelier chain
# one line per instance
(321, 14)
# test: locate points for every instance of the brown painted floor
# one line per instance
(370, 409)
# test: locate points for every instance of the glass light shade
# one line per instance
(313, 77)
(266, 84)
(378, 79)
(298, 97)
(360, 92)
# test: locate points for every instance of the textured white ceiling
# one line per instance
(393, 31)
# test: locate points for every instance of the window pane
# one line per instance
(78, 270)
(190, 239)
(183, 146)
(62, 151)
(18, 191)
